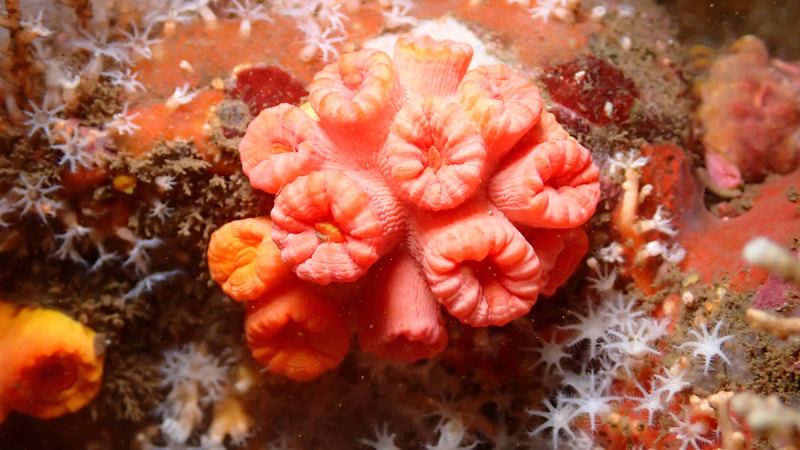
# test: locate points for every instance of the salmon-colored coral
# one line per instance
(479, 266)
(410, 147)
(356, 99)
(420, 154)
(283, 144)
(431, 68)
(750, 113)
(431, 156)
(502, 103)
(552, 185)
(434, 156)
(332, 227)
(51, 364)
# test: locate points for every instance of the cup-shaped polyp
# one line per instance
(547, 128)
(502, 103)
(244, 261)
(356, 99)
(428, 67)
(51, 365)
(280, 144)
(399, 317)
(297, 333)
(559, 251)
(434, 157)
(552, 185)
(482, 270)
(329, 229)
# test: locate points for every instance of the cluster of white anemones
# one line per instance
(196, 382)
(615, 338)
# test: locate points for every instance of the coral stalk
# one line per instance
(781, 327)
(399, 316)
(732, 439)
(21, 66)
(765, 253)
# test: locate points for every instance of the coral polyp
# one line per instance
(420, 154)
(52, 364)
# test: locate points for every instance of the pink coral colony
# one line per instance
(438, 184)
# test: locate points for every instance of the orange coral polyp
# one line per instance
(434, 156)
(553, 185)
(354, 89)
(51, 364)
(280, 147)
(297, 333)
(502, 103)
(244, 261)
(281, 144)
(329, 232)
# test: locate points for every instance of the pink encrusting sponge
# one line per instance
(476, 192)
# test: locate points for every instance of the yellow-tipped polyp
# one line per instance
(428, 67)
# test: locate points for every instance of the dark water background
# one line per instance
(718, 23)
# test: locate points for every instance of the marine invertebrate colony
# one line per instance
(462, 173)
